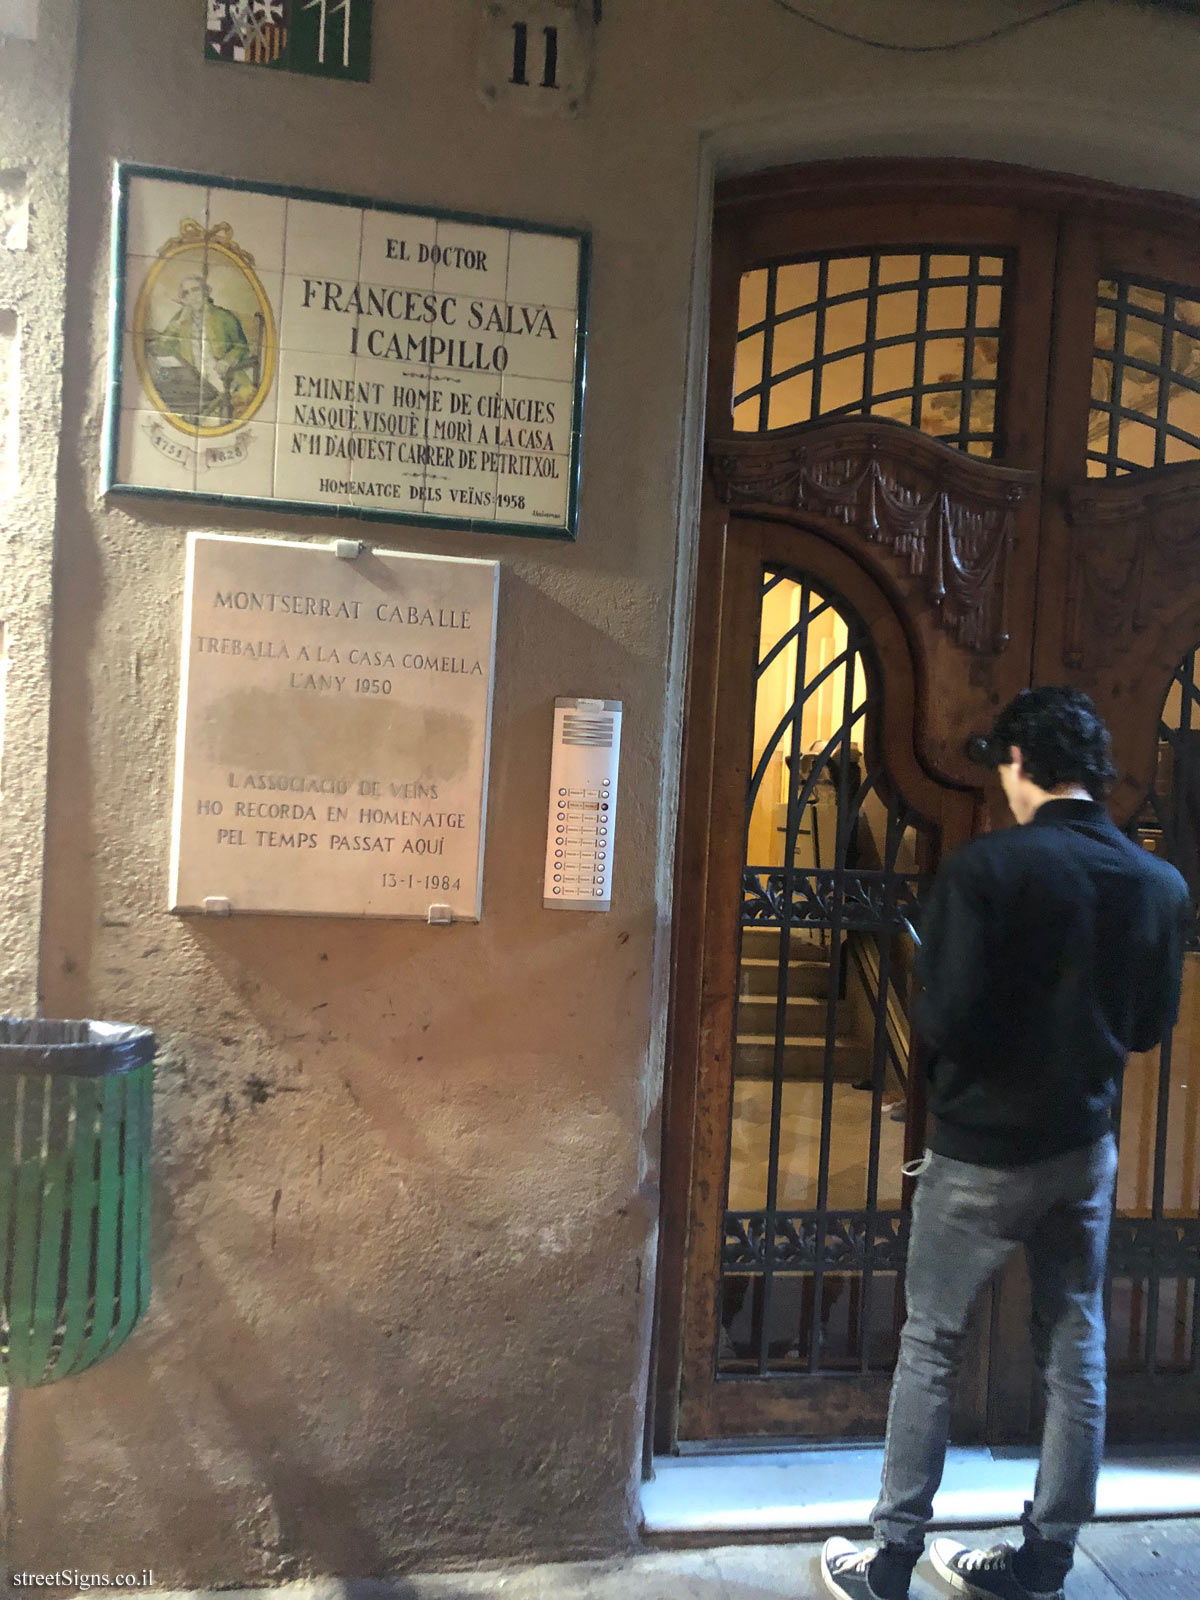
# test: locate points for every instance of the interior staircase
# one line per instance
(808, 990)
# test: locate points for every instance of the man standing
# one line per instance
(1050, 951)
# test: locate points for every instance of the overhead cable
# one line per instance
(795, 10)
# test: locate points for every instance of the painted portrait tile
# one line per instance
(204, 333)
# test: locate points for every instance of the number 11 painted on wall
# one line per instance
(327, 11)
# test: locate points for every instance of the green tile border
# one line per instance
(123, 172)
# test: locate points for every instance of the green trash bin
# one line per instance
(75, 1105)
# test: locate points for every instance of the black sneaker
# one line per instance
(844, 1568)
(985, 1573)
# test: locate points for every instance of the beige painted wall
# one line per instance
(35, 98)
(35, 90)
(406, 1209)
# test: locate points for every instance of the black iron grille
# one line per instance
(1154, 1259)
(1145, 409)
(915, 336)
(815, 1233)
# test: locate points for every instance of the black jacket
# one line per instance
(1049, 952)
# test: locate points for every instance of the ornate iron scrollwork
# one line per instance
(1142, 1247)
(866, 901)
(840, 1241)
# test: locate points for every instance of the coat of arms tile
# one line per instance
(252, 31)
(323, 38)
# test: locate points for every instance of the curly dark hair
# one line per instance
(1061, 736)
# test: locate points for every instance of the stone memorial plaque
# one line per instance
(334, 729)
(313, 352)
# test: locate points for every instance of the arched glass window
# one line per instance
(911, 336)
(831, 880)
(1145, 377)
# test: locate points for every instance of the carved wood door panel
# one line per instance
(877, 421)
(1119, 615)
(947, 456)
(1122, 533)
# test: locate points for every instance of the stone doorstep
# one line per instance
(804, 1490)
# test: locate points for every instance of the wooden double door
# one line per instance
(953, 449)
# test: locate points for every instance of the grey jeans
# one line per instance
(966, 1221)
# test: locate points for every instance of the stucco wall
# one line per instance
(405, 1212)
(35, 90)
(35, 97)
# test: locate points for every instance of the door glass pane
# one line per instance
(1145, 409)
(916, 338)
(834, 866)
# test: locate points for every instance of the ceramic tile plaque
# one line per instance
(324, 38)
(334, 728)
(316, 353)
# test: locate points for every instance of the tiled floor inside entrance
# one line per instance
(799, 1146)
